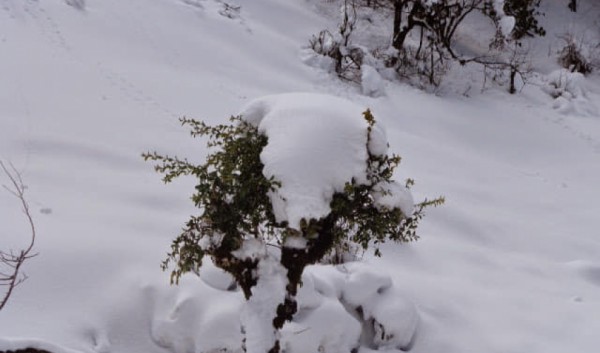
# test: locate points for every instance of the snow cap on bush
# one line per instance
(317, 143)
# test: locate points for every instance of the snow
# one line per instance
(317, 143)
(213, 315)
(371, 82)
(569, 92)
(508, 264)
(337, 302)
(216, 277)
(328, 328)
(260, 310)
(77, 4)
(394, 318)
(295, 242)
(507, 24)
(390, 195)
(395, 321)
(362, 284)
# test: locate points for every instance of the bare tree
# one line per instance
(11, 262)
(441, 19)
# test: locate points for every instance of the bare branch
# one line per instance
(11, 260)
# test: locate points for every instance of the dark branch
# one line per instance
(11, 260)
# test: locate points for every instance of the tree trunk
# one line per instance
(573, 5)
(294, 260)
(401, 32)
(397, 42)
(513, 73)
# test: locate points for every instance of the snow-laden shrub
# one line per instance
(569, 92)
(299, 172)
(347, 58)
(575, 55)
(564, 83)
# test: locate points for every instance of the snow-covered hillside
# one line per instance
(511, 262)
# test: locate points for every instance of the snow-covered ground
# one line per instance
(511, 262)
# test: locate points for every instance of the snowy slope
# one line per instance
(511, 263)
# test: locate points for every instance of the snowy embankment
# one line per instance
(509, 264)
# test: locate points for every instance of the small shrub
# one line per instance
(236, 213)
(575, 56)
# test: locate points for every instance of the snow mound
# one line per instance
(393, 318)
(344, 306)
(362, 284)
(570, 93)
(395, 321)
(317, 143)
(329, 328)
(340, 308)
(190, 317)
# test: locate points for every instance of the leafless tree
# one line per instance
(11, 262)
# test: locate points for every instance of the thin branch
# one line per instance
(13, 260)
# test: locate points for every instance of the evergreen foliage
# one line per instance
(232, 196)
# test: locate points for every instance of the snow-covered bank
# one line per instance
(509, 264)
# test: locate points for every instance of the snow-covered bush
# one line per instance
(423, 46)
(347, 57)
(564, 83)
(569, 92)
(285, 182)
(575, 56)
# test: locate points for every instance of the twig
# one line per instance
(14, 260)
